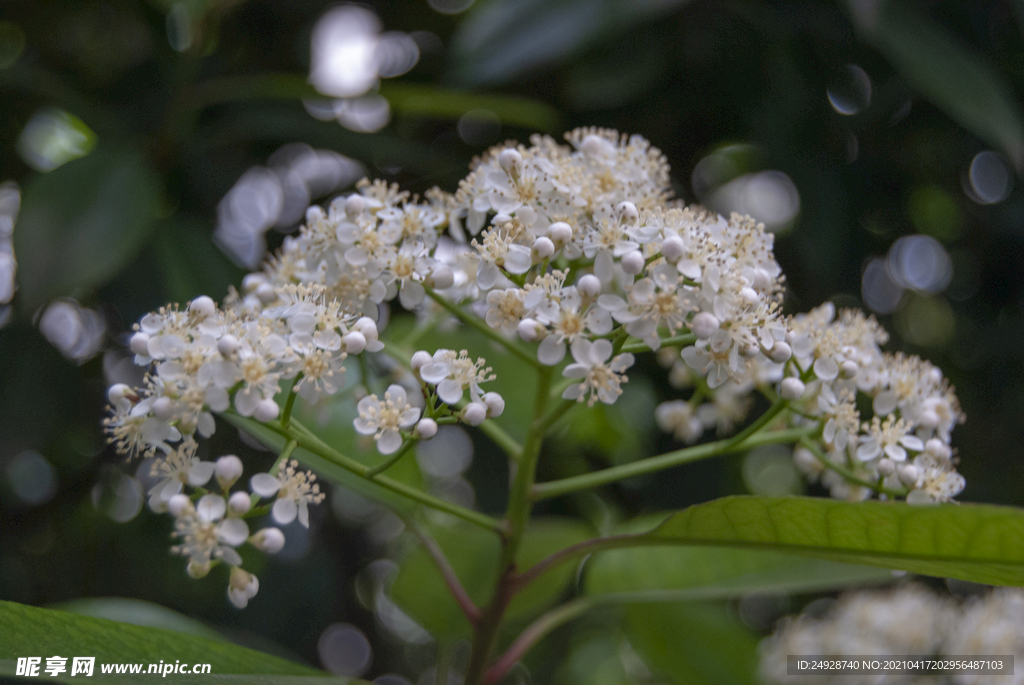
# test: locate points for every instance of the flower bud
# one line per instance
(366, 326)
(353, 342)
(242, 587)
(589, 286)
(495, 404)
(203, 307)
(228, 345)
(228, 470)
(139, 344)
(501, 218)
(269, 540)
(749, 295)
(354, 205)
(117, 392)
(239, 503)
(163, 408)
(530, 330)
(420, 359)
(704, 325)
(179, 504)
(252, 281)
(266, 410)
(197, 571)
(475, 413)
(542, 249)
(886, 466)
(266, 293)
(425, 429)
(792, 388)
(780, 352)
(849, 368)
(762, 281)
(938, 449)
(633, 262)
(595, 146)
(672, 248)
(511, 161)
(441, 277)
(909, 475)
(560, 232)
(627, 212)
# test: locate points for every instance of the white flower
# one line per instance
(601, 380)
(178, 467)
(385, 418)
(295, 491)
(206, 535)
(453, 373)
(890, 437)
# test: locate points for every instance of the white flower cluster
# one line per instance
(835, 369)
(908, 620)
(573, 247)
(905, 443)
(206, 360)
(211, 525)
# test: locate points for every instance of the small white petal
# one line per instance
(265, 485)
(284, 511)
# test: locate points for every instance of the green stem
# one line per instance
(681, 340)
(286, 415)
(307, 441)
(391, 461)
(474, 322)
(516, 516)
(586, 481)
(286, 453)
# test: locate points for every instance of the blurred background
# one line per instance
(152, 151)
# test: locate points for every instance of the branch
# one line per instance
(308, 441)
(534, 632)
(682, 340)
(447, 572)
(653, 464)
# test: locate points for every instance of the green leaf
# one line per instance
(82, 223)
(503, 40)
(713, 572)
(975, 542)
(138, 613)
(693, 643)
(953, 77)
(29, 631)
(473, 553)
